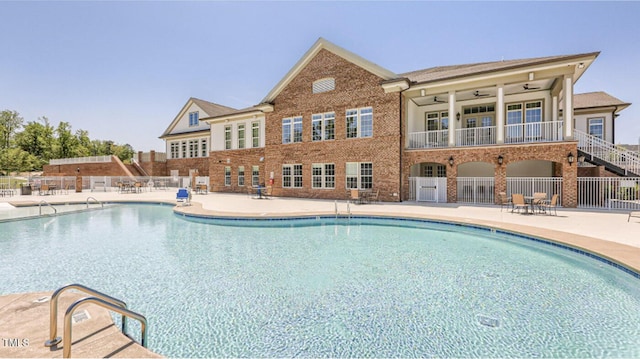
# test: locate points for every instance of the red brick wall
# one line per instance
(248, 158)
(354, 88)
(183, 165)
(553, 152)
(86, 169)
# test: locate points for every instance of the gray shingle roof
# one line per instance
(448, 72)
(596, 99)
(212, 109)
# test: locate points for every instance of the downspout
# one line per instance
(401, 147)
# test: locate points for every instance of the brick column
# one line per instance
(452, 183)
(500, 180)
(569, 185)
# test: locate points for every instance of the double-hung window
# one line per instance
(292, 130)
(292, 176)
(359, 175)
(255, 176)
(193, 148)
(255, 134)
(596, 127)
(359, 122)
(523, 121)
(323, 126)
(241, 135)
(193, 119)
(227, 137)
(323, 175)
(203, 147)
(227, 176)
(184, 149)
(175, 149)
(241, 176)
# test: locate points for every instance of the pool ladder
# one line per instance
(337, 214)
(96, 201)
(55, 211)
(98, 298)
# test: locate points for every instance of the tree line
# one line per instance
(27, 147)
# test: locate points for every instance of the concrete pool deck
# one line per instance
(606, 233)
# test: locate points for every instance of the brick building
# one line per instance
(337, 121)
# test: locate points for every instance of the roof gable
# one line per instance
(598, 99)
(209, 108)
(313, 51)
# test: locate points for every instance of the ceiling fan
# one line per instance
(478, 94)
(435, 99)
(526, 87)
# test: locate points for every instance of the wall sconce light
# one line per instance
(228, 160)
(581, 158)
(500, 160)
(581, 65)
(570, 158)
(458, 116)
(78, 170)
(423, 93)
(261, 159)
(451, 161)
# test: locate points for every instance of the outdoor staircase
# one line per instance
(602, 153)
(138, 167)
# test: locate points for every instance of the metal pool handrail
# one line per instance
(88, 198)
(66, 345)
(55, 211)
(53, 310)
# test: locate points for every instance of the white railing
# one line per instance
(476, 136)
(606, 151)
(429, 139)
(428, 189)
(548, 131)
(475, 190)
(614, 193)
(68, 161)
(137, 165)
(530, 185)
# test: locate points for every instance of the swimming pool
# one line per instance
(321, 288)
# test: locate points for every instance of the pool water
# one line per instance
(321, 288)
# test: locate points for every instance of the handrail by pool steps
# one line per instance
(55, 211)
(66, 345)
(88, 198)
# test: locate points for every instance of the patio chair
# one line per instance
(519, 203)
(504, 201)
(183, 196)
(267, 192)
(44, 189)
(548, 205)
(538, 199)
(373, 197)
(355, 196)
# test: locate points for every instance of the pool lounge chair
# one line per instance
(183, 196)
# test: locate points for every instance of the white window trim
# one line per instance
(358, 122)
(195, 114)
(241, 176)
(255, 125)
(323, 175)
(292, 121)
(323, 119)
(227, 176)
(293, 176)
(358, 175)
(227, 129)
(241, 127)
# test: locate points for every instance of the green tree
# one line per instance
(37, 139)
(67, 143)
(10, 122)
(123, 152)
(17, 160)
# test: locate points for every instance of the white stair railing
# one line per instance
(608, 152)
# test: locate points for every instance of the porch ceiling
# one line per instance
(483, 92)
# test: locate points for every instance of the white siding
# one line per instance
(183, 122)
(582, 120)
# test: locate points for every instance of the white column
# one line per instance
(500, 115)
(452, 119)
(567, 111)
(554, 108)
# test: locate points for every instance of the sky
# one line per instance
(123, 70)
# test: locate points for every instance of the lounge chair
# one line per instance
(183, 196)
(518, 203)
(633, 214)
(373, 197)
(553, 204)
(504, 200)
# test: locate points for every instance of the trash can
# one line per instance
(25, 190)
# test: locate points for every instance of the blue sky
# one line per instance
(122, 70)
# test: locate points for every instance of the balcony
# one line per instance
(549, 131)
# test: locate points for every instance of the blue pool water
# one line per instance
(321, 288)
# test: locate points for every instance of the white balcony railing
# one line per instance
(429, 139)
(476, 136)
(77, 160)
(549, 131)
(608, 152)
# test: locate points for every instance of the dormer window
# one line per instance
(324, 85)
(193, 119)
